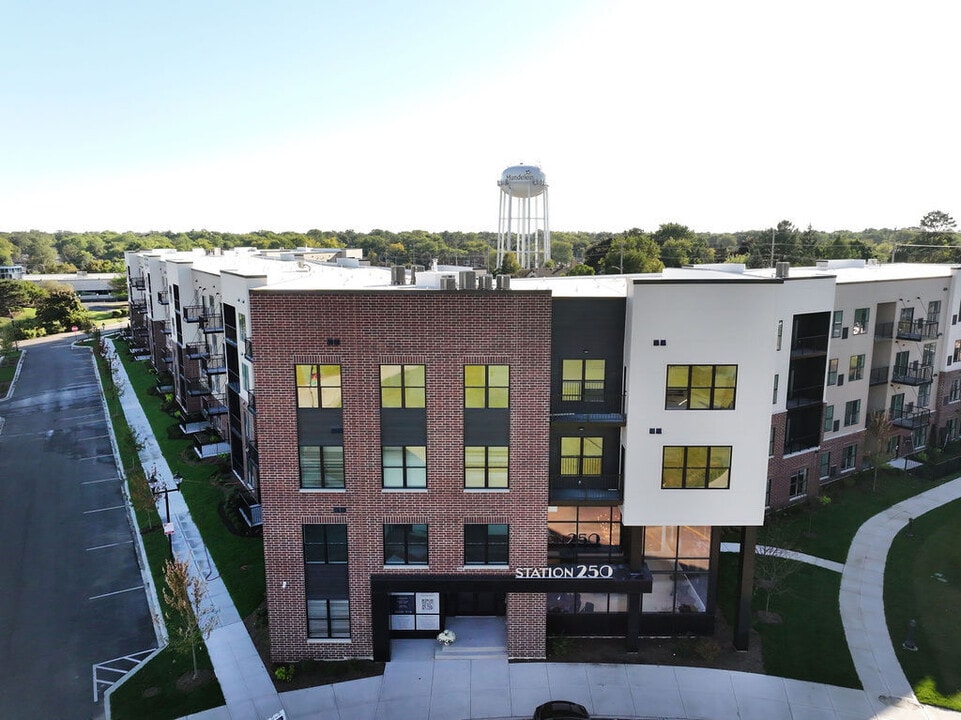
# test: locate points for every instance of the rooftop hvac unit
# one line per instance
(448, 282)
(486, 282)
(397, 275)
(503, 282)
(468, 280)
(782, 269)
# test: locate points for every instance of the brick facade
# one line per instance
(360, 331)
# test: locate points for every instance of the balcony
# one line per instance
(193, 313)
(586, 402)
(212, 405)
(878, 376)
(804, 396)
(138, 283)
(163, 297)
(907, 330)
(587, 488)
(192, 423)
(209, 445)
(196, 387)
(212, 323)
(809, 345)
(196, 351)
(913, 374)
(909, 417)
(214, 364)
(801, 443)
(252, 401)
(166, 327)
(250, 509)
(249, 349)
(165, 382)
(138, 307)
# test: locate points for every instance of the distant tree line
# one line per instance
(935, 239)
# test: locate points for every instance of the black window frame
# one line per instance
(405, 543)
(682, 394)
(491, 549)
(328, 468)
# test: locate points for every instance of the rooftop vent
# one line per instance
(503, 282)
(398, 276)
(486, 282)
(782, 269)
(448, 282)
(468, 280)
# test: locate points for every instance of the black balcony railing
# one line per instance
(138, 283)
(250, 508)
(249, 349)
(804, 396)
(196, 387)
(908, 330)
(913, 374)
(802, 442)
(879, 375)
(810, 345)
(584, 488)
(252, 401)
(209, 444)
(587, 402)
(212, 405)
(910, 418)
(193, 313)
(163, 297)
(212, 323)
(196, 351)
(138, 306)
(214, 364)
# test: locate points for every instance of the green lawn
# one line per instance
(826, 531)
(922, 582)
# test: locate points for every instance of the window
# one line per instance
(321, 467)
(955, 394)
(919, 437)
(405, 544)
(849, 456)
(924, 395)
(679, 558)
(836, 324)
(780, 332)
(318, 386)
(486, 386)
(957, 351)
(696, 466)
(582, 380)
(404, 466)
(241, 327)
(583, 535)
(485, 544)
(852, 412)
(770, 442)
(861, 318)
(798, 485)
(927, 354)
(325, 570)
(581, 455)
(856, 367)
(951, 429)
(934, 311)
(485, 466)
(402, 386)
(828, 418)
(824, 466)
(701, 387)
(832, 371)
(774, 397)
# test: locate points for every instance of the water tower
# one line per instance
(522, 226)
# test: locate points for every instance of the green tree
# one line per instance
(877, 433)
(61, 310)
(509, 265)
(18, 294)
(580, 269)
(632, 252)
(190, 618)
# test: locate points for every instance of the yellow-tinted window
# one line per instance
(700, 387)
(582, 380)
(581, 455)
(485, 466)
(402, 386)
(707, 466)
(486, 386)
(318, 386)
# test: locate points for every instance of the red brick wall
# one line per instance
(360, 331)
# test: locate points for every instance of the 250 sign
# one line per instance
(589, 572)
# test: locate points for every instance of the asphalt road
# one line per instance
(71, 592)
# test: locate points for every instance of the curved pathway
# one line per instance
(862, 606)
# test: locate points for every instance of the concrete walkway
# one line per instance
(416, 687)
(246, 685)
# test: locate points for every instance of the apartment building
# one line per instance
(559, 452)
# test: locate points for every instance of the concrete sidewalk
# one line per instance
(246, 685)
(416, 687)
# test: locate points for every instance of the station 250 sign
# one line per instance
(564, 572)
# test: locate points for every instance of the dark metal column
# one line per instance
(745, 587)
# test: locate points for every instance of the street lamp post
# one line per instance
(165, 491)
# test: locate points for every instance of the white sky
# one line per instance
(239, 116)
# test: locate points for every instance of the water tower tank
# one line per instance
(523, 227)
(523, 181)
